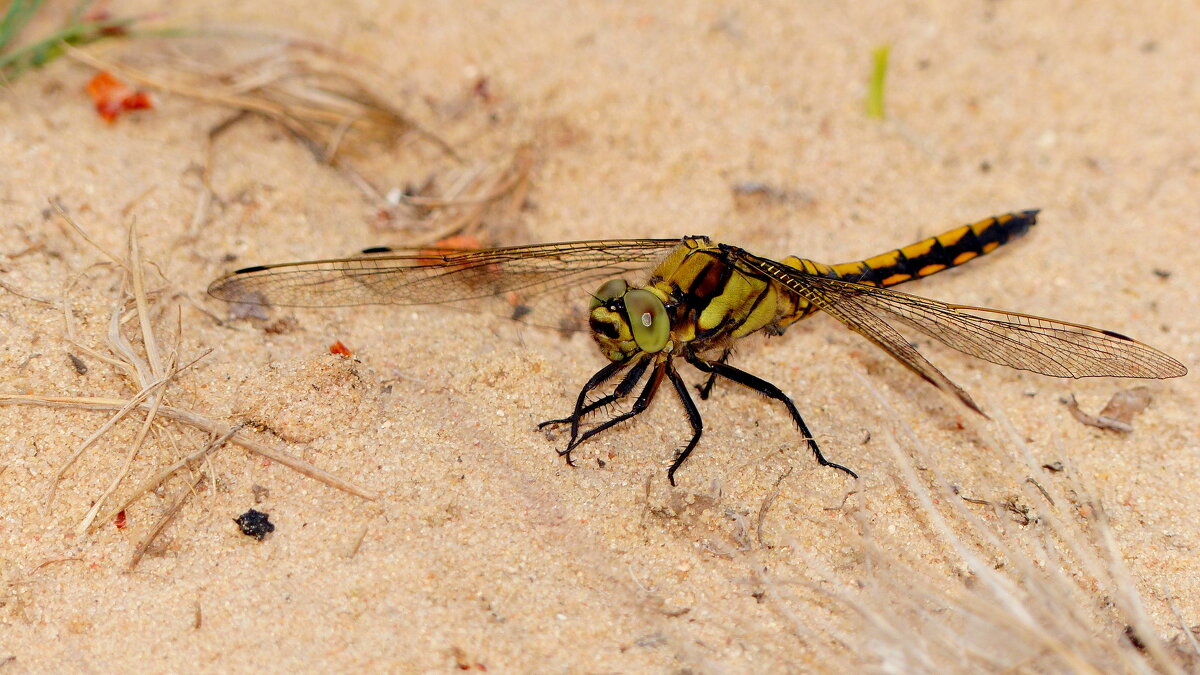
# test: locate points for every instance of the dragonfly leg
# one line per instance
(693, 415)
(706, 388)
(603, 375)
(640, 405)
(622, 390)
(770, 391)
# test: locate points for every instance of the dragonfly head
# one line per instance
(627, 320)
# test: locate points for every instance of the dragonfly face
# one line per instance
(699, 298)
(627, 321)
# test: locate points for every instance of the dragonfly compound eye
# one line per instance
(648, 320)
(610, 290)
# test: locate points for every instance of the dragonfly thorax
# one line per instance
(626, 320)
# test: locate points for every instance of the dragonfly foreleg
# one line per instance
(693, 415)
(770, 391)
(622, 390)
(603, 375)
(640, 405)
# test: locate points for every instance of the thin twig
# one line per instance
(162, 523)
(164, 474)
(204, 424)
(138, 280)
(62, 213)
(122, 410)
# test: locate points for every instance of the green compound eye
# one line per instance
(648, 319)
(612, 289)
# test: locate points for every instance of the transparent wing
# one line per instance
(1021, 341)
(543, 284)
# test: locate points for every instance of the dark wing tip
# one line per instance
(246, 270)
(377, 249)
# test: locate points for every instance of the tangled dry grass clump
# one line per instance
(150, 368)
(334, 105)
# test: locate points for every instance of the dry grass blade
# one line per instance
(205, 424)
(21, 294)
(136, 279)
(1031, 598)
(162, 523)
(166, 472)
(202, 423)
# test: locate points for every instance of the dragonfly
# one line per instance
(693, 299)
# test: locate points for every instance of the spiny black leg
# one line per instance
(603, 375)
(769, 390)
(706, 388)
(622, 390)
(693, 415)
(643, 400)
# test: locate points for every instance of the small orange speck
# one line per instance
(340, 349)
(113, 97)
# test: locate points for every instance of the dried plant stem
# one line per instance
(272, 110)
(155, 404)
(123, 409)
(162, 523)
(155, 368)
(163, 475)
(62, 213)
(137, 279)
(199, 422)
(514, 182)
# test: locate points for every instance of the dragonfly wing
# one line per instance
(1021, 341)
(541, 284)
(859, 318)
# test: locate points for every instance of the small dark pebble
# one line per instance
(1161, 273)
(78, 364)
(255, 524)
(1053, 466)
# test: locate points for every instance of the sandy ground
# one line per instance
(482, 549)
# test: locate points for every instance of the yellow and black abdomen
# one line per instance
(921, 259)
(932, 255)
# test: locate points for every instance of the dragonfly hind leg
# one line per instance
(719, 368)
